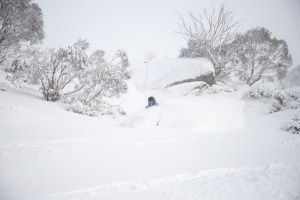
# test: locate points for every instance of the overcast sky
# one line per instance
(141, 26)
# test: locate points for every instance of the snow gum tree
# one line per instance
(20, 21)
(210, 35)
(102, 79)
(70, 74)
(57, 68)
(261, 56)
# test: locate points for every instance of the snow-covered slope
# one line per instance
(207, 147)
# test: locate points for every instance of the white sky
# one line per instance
(140, 26)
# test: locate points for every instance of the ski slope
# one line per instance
(213, 147)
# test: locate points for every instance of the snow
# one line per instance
(292, 78)
(209, 112)
(161, 73)
(229, 183)
(213, 147)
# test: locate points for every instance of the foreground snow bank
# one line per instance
(275, 181)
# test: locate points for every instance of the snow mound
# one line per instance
(161, 73)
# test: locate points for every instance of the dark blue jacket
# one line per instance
(155, 104)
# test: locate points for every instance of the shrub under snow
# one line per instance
(293, 126)
(217, 88)
(278, 98)
(95, 109)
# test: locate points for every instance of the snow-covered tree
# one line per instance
(57, 68)
(210, 35)
(20, 21)
(104, 79)
(261, 56)
(85, 82)
(293, 77)
(17, 65)
(273, 94)
(101, 80)
(193, 50)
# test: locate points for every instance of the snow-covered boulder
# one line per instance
(175, 71)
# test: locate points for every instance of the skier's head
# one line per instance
(151, 101)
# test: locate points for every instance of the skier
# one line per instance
(151, 102)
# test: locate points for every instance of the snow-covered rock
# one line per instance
(174, 71)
